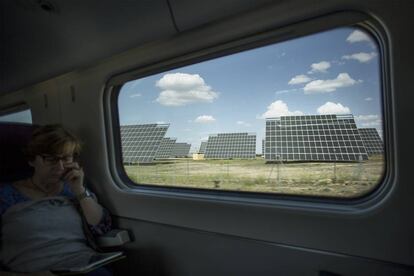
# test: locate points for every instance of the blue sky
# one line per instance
(24, 116)
(334, 72)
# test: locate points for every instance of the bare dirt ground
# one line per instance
(315, 178)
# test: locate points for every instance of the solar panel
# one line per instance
(181, 150)
(166, 148)
(263, 146)
(203, 147)
(140, 143)
(231, 145)
(372, 140)
(313, 138)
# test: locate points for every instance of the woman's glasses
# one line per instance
(53, 159)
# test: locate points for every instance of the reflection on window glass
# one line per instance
(300, 117)
(24, 116)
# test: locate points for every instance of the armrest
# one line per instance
(115, 237)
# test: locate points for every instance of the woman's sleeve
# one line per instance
(105, 225)
(3, 206)
(7, 198)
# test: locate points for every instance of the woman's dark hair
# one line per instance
(51, 139)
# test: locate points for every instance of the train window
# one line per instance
(20, 116)
(299, 117)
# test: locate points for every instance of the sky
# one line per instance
(333, 72)
(24, 116)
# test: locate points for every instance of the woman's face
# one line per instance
(51, 167)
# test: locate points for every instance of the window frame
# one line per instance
(296, 30)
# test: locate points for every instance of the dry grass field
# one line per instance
(315, 178)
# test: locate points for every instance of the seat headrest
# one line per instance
(13, 138)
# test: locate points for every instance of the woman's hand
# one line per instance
(74, 177)
(90, 208)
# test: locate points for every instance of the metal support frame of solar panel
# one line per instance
(140, 143)
(231, 145)
(313, 138)
(372, 141)
(181, 150)
(166, 148)
(203, 146)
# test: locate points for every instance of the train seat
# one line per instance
(13, 138)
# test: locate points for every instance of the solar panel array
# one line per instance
(203, 147)
(181, 150)
(140, 143)
(263, 146)
(372, 141)
(313, 138)
(231, 145)
(166, 148)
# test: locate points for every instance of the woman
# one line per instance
(43, 217)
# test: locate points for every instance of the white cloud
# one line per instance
(299, 79)
(368, 99)
(320, 67)
(324, 86)
(242, 123)
(367, 117)
(180, 89)
(203, 119)
(361, 57)
(285, 91)
(135, 95)
(132, 84)
(338, 62)
(357, 36)
(368, 120)
(277, 109)
(333, 108)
